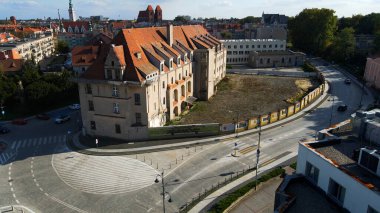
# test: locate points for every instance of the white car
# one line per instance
(74, 106)
(62, 119)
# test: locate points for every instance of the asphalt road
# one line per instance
(34, 176)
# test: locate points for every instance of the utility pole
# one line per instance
(257, 157)
(332, 108)
(237, 125)
(163, 190)
(361, 96)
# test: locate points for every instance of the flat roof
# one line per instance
(340, 153)
(308, 198)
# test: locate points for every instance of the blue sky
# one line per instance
(128, 9)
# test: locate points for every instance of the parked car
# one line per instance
(62, 119)
(347, 81)
(74, 106)
(4, 130)
(43, 116)
(342, 108)
(19, 121)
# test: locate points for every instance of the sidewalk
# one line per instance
(209, 200)
(77, 146)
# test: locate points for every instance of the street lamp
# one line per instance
(163, 190)
(257, 156)
(332, 108)
(361, 96)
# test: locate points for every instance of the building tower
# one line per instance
(13, 20)
(158, 14)
(72, 12)
(150, 12)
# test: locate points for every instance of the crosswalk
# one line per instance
(6, 156)
(33, 142)
(241, 147)
(18, 145)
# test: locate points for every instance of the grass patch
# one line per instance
(293, 165)
(231, 198)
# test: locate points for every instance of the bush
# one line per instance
(293, 165)
(228, 66)
(227, 201)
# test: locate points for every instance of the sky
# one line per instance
(128, 9)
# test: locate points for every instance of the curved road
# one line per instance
(45, 176)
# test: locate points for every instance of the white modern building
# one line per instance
(32, 48)
(238, 51)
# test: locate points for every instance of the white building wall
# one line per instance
(238, 50)
(357, 196)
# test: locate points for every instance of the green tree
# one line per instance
(62, 47)
(180, 19)
(343, 47)
(226, 35)
(313, 30)
(7, 88)
(250, 19)
(30, 74)
(376, 43)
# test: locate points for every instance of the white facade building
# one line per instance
(331, 165)
(32, 48)
(238, 51)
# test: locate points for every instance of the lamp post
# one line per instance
(237, 126)
(361, 96)
(257, 156)
(163, 190)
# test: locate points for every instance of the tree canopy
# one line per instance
(343, 47)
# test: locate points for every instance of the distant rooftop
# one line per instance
(340, 153)
(247, 40)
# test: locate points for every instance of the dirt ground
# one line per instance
(250, 96)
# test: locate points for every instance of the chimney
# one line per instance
(169, 34)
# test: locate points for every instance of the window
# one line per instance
(186, 73)
(264, 46)
(90, 106)
(178, 61)
(88, 89)
(372, 210)
(191, 56)
(137, 99)
(290, 60)
(163, 85)
(117, 74)
(253, 46)
(336, 191)
(235, 46)
(270, 46)
(282, 60)
(93, 125)
(241, 46)
(179, 76)
(138, 118)
(247, 46)
(172, 80)
(171, 64)
(109, 74)
(229, 46)
(115, 91)
(312, 172)
(261, 60)
(116, 108)
(112, 63)
(228, 52)
(161, 67)
(117, 129)
(369, 161)
(268, 60)
(164, 101)
(258, 46)
(275, 45)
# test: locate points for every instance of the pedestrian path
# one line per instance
(102, 174)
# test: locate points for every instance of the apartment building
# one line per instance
(148, 76)
(372, 72)
(238, 51)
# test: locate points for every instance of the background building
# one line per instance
(150, 16)
(275, 59)
(238, 51)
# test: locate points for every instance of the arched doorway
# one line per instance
(175, 111)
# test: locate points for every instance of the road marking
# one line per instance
(10, 183)
(14, 195)
(66, 204)
(248, 149)
(12, 189)
(267, 162)
(41, 189)
(18, 202)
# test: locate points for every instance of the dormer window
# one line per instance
(185, 58)
(112, 63)
(178, 61)
(138, 55)
(191, 56)
(171, 64)
(161, 67)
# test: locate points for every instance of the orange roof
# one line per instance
(135, 47)
(11, 65)
(84, 55)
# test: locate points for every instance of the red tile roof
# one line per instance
(5, 37)
(11, 65)
(131, 43)
(84, 55)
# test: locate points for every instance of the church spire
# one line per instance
(72, 12)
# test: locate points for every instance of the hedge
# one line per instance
(232, 197)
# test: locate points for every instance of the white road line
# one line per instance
(18, 202)
(67, 205)
(12, 189)
(18, 144)
(35, 141)
(41, 189)
(14, 195)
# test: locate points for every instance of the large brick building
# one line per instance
(147, 77)
(149, 15)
